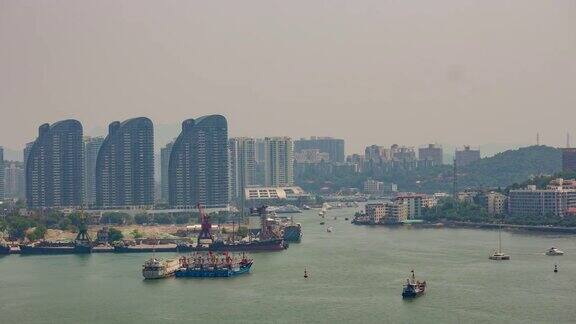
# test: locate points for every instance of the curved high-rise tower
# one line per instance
(125, 165)
(54, 166)
(198, 167)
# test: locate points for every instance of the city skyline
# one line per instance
(166, 133)
(322, 73)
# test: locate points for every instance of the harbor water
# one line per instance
(356, 275)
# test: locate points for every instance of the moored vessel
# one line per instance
(214, 265)
(292, 231)
(81, 245)
(268, 240)
(4, 248)
(155, 268)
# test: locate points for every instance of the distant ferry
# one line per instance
(214, 265)
(155, 268)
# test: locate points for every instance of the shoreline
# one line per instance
(528, 228)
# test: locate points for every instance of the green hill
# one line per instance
(500, 170)
(511, 166)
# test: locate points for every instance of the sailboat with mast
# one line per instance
(498, 254)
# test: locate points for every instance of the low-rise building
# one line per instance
(414, 203)
(494, 202)
(392, 212)
(532, 201)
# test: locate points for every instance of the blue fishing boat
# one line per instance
(213, 265)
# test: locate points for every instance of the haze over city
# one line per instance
(372, 72)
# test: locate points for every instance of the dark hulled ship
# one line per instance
(413, 288)
(268, 239)
(292, 231)
(82, 244)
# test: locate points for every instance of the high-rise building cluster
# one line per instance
(125, 165)
(62, 168)
(466, 156)
(332, 147)
(54, 166)
(198, 166)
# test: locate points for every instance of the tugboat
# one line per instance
(554, 251)
(155, 268)
(413, 288)
(498, 254)
(213, 265)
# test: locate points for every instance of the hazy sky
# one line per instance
(369, 71)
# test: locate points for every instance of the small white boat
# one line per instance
(497, 255)
(554, 251)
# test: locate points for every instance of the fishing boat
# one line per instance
(413, 288)
(554, 251)
(155, 268)
(498, 254)
(214, 265)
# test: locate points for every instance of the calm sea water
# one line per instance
(356, 276)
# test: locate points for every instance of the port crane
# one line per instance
(206, 226)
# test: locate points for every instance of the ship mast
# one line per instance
(500, 238)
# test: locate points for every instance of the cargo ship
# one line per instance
(144, 248)
(155, 268)
(214, 265)
(81, 245)
(268, 239)
(413, 288)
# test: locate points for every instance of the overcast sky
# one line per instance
(369, 71)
